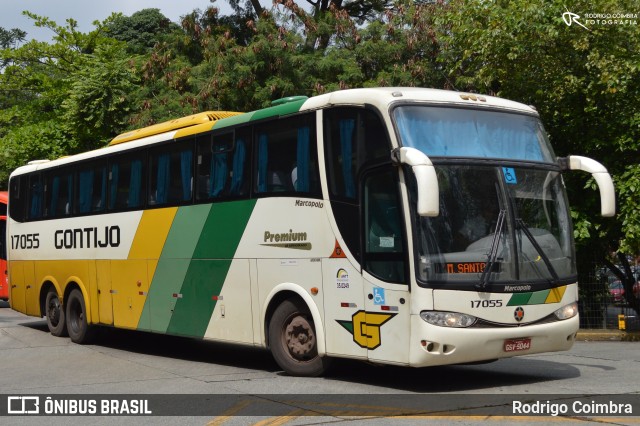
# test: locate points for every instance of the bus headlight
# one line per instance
(448, 319)
(567, 311)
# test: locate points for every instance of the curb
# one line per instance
(607, 336)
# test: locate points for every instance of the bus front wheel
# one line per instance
(54, 312)
(79, 329)
(292, 339)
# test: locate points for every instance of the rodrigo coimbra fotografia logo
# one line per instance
(590, 20)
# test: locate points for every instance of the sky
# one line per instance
(87, 11)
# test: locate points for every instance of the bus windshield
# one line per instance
(496, 225)
(456, 132)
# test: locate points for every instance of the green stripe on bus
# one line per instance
(208, 270)
(538, 297)
(232, 121)
(173, 265)
(193, 310)
(223, 229)
(519, 299)
(274, 111)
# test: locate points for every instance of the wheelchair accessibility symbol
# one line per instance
(378, 296)
(509, 175)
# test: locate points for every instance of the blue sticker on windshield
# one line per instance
(509, 175)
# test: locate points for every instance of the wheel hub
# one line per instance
(300, 338)
(54, 311)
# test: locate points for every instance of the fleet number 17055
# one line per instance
(487, 303)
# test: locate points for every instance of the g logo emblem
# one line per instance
(365, 328)
(518, 314)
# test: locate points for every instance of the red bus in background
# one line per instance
(4, 282)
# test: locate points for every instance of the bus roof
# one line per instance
(178, 123)
(382, 98)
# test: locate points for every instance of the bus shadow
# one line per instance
(179, 348)
(455, 378)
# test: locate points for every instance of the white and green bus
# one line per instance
(401, 226)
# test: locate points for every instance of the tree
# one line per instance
(584, 83)
(71, 94)
(142, 30)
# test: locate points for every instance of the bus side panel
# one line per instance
(32, 303)
(304, 273)
(198, 297)
(129, 287)
(165, 290)
(17, 285)
(180, 228)
(232, 315)
(343, 304)
(193, 267)
(4, 280)
(103, 277)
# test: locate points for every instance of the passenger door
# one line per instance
(387, 321)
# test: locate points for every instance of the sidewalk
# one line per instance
(587, 335)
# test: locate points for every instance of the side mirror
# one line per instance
(601, 176)
(426, 178)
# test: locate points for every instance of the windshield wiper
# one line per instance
(523, 227)
(493, 252)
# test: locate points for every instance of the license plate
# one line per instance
(512, 345)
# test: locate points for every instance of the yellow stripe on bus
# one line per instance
(152, 233)
(555, 295)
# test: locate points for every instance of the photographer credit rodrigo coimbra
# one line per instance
(574, 408)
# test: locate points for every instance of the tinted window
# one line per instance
(223, 165)
(126, 183)
(58, 193)
(384, 255)
(17, 197)
(36, 195)
(286, 159)
(353, 137)
(92, 188)
(170, 174)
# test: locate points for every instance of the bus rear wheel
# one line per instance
(54, 312)
(79, 329)
(292, 339)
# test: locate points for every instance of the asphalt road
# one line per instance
(33, 362)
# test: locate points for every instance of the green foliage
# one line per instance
(584, 83)
(97, 102)
(142, 30)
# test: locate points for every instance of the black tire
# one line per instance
(292, 340)
(79, 330)
(54, 311)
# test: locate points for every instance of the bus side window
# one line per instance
(353, 137)
(58, 193)
(126, 183)
(170, 174)
(3, 239)
(17, 201)
(222, 166)
(34, 211)
(92, 188)
(286, 157)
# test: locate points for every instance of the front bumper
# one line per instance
(433, 345)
